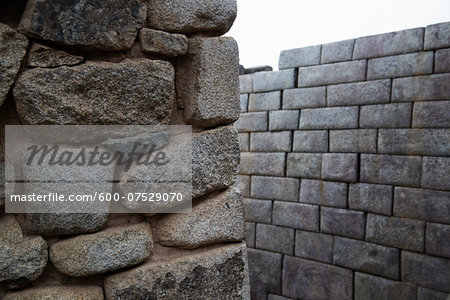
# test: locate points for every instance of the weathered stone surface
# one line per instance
(46, 57)
(191, 16)
(401, 65)
(265, 272)
(324, 193)
(250, 234)
(332, 73)
(84, 24)
(279, 188)
(160, 42)
(270, 141)
(438, 241)
(244, 141)
(246, 83)
(264, 101)
(214, 219)
(370, 197)
(343, 222)
(243, 184)
(276, 297)
(296, 215)
(442, 61)
(427, 294)
(329, 118)
(310, 141)
(12, 50)
(58, 292)
(10, 231)
(283, 120)
(275, 238)
(367, 92)
(304, 98)
(262, 163)
(392, 115)
(257, 69)
(366, 257)
(357, 140)
(418, 88)
(316, 246)
(304, 279)
(427, 271)
(337, 51)
(108, 250)
(2, 184)
(208, 81)
(244, 102)
(252, 121)
(368, 287)
(258, 210)
(306, 56)
(431, 114)
(339, 167)
(217, 273)
(132, 92)
(437, 36)
(303, 165)
(435, 172)
(272, 81)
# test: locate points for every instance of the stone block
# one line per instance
(437, 36)
(392, 115)
(262, 164)
(244, 102)
(399, 42)
(272, 81)
(246, 83)
(340, 167)
(162, 43)
(244, 141)
(265, 272)
(433, 206)
(414, 141)
(207, 80)
(390, 169)
(357, 93)
(310, 141)
(427, 294)
(343, 222)
(258, 210)
(300, 57)
(371, 198)
(243, 184)
(10, 230)
(329, 118)
(337, 51)
(419, 88)
(303, 165)
(435, 172)
(366, 257)
(326, 193)
(296, 215)
(270, 141)
(341, 72)
(58, 292)
(396, 232)
(304, 98)
(253, 121)
(427, 271)
(353, 141)
(278, 188)
(431, 114)
(283, 120)
(438, 240)
(46, 57)
(411, 64)
(368, 287)
(250, 234)
(275, 238)
(442, 61)
(264, 101)
(304, 279)
(316, 246)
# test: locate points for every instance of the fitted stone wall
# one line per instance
(112, 62)
(345, 169)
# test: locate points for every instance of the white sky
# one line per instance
(265, 27)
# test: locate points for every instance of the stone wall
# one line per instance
(112, 62)
(345, 169)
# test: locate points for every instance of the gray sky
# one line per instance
(265, 27)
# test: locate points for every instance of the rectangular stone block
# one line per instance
(316, 246)
(337, 51)
(427, 271)
(438, 240)
(303, 165)
(332, 73)
(368, 287)
(250, 232)
(244, 141)
(418, 88)
(305, 279)
(343, 222)
(253, 121)
(355, 141)
(270, 141)
(246, 83)
(396, 232)
(275, 238)
(257, 210)
(243, 184)
(264, 101)
(427, 294)
(411, 64)
(442, 61)
(310, 141)
(399, 42)
(431, 114)
(435, 173)
(366, 257)
(283, 120)
(272, 81)
(329, 118)
(262, 164)
(340, 167)
(433, 206)
(324, 193)
(390, 169)
(367, 92)
(414, 141)
(437, 36)
(296, 215)
(392, 115)
(244, 102)
(278, 188)
(293, 58)
(265, 272)
(304, 98)
(371, 198)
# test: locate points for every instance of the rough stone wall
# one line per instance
(345, 169)
(113, 62)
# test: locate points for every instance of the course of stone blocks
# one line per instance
(138, 62)
(345, 169)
